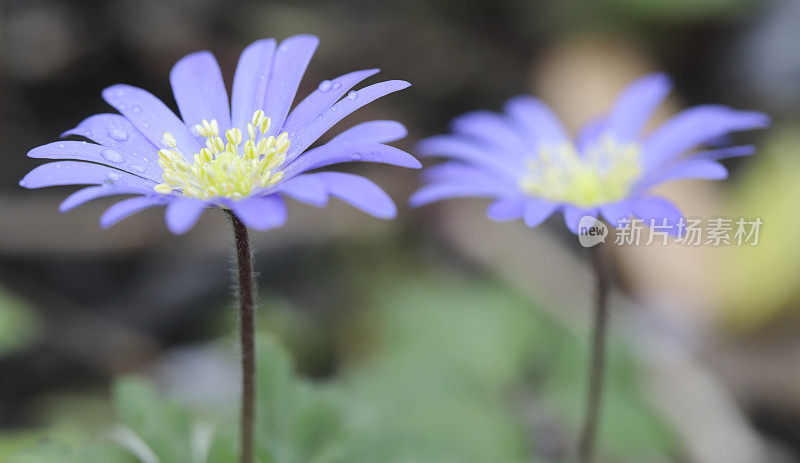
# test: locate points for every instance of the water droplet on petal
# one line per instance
(337, 85)
(356, 156)
(118, 134)
(325, 85)
(145, 125)
(112, 177)
(137, 168)
(352, 95)
(112, 156)
(136, 108)
(61, 146)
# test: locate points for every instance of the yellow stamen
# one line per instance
(230, 170)
(604, 174)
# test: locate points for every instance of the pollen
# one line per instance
(603, 174)
(226, 168)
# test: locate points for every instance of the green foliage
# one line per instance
(450, 365)
(18, 323)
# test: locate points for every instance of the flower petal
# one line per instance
(438, 191)
(653, 210)
(617, 212)
(116, 132)
(536, 122)
(183, 213)
(724, 153)
(80, 173)
(635, 105)
(291, 61)
(460, 149)
(334, 153)
(305, 188)
(573, 216)
(339, 111)
(261, 212)
(506, 209)
(689, 169)
(150, 116)
(128, 207)
(95, 192)
(491, 128)
(590, 133)
(199, 90)
(359, 192)
(694, 127)
(250, 81)
(84, 151)
(321, 99)
(537, 211)
(373, 132)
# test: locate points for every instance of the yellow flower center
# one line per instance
(604, 174)
(223, 169)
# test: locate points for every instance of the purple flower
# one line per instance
(245, 156)
(526, 162)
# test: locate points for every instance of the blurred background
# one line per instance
(445, 336)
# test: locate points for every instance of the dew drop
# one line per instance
(112, 177)
(61, 146)
(137, 168)
(356, 156)
(112, 156)
(118, 134)
(352, 95)
(325, 85)
(337, 85)
(136, 108)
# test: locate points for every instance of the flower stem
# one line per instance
(597, 361)
(244, 274)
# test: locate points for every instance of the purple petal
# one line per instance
(128, 207)
(615, 213)
(305, 188)
(116, 132)
(183, 213)
(81, 173)
(590, 133)
(465, 172)
(372, 132)
(457, 148)
(150, 116)
(84, 151)
(359, 192)
(438, 191)
(339, 111)
(334, 153)
(654, 210)
(491, 128)
(724, 153)
(689, 169)
(635, 105)
(261, 212)
(506, 209)
(323, 98)
(537, 211)
(199, 90)
(536, 122)
(694, 127)
(291, 61)
(94, 192)
(250, 81)
(573, 216)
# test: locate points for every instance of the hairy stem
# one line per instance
(597, 354)
(244, 276)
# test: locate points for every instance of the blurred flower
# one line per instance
(244, 157)
(526, 161)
